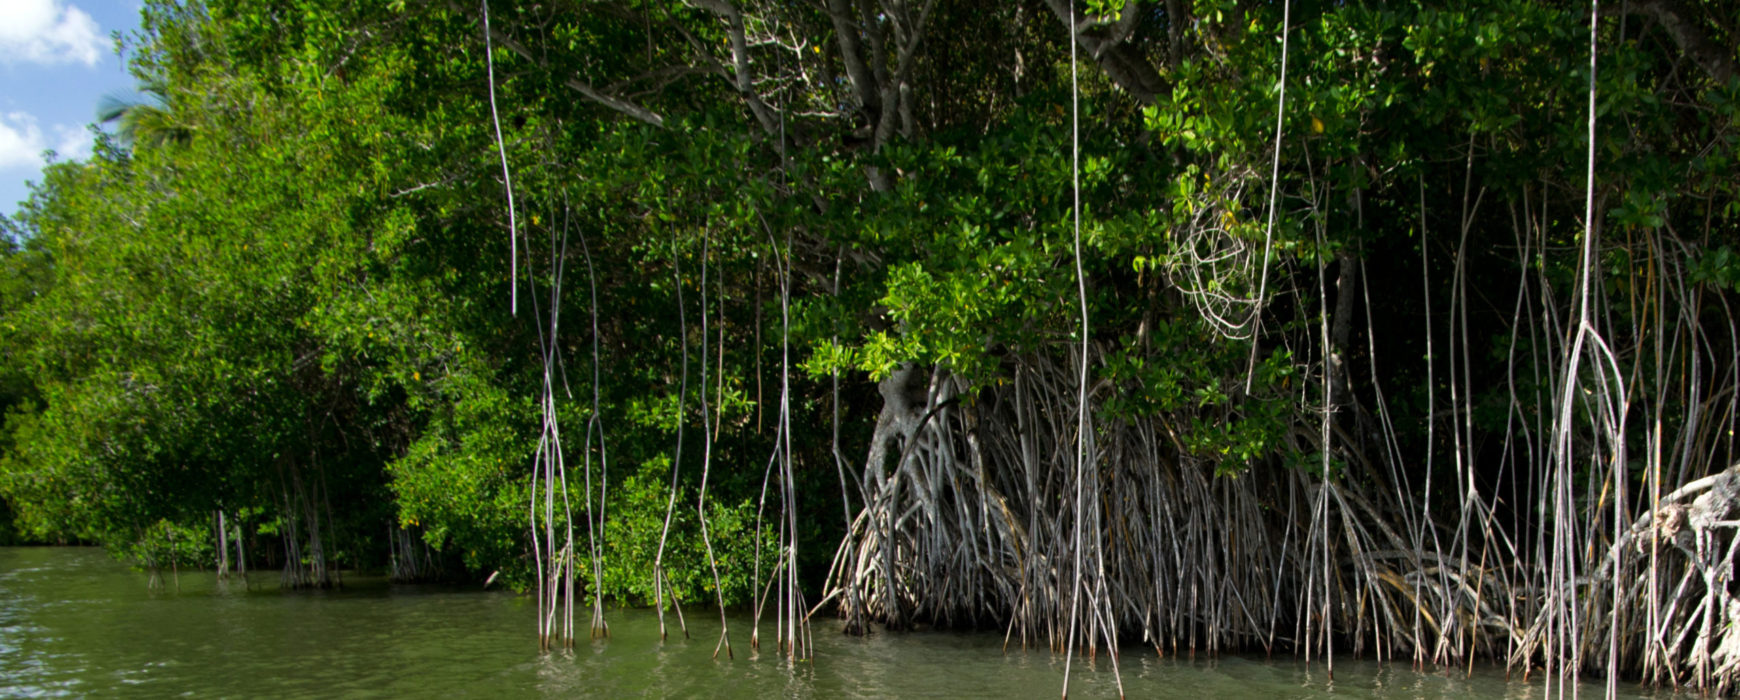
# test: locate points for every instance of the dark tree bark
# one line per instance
(1113, 45)
(1683, 26)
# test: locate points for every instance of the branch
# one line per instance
(740, 58)
(908, 51)
(625, 107)
(616, 103)
(1682, 26)
(1122, 60)
(852, 54)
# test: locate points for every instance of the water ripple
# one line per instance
(74, 622)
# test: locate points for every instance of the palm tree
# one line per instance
(146, 121)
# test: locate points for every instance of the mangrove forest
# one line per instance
(1405, 330)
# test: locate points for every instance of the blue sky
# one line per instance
(57, 59)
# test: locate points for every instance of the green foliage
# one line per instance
(1719, 267)
(163, 545)
(632, 539)
(290, 274)
(457, 481)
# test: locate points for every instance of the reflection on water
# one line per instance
(73, 622)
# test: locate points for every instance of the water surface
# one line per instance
(74, 622)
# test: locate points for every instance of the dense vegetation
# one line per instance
(655, 299)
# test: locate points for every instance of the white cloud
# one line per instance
(72, 143)
(22, 141)
(48, 32)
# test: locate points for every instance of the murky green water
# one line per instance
(73, 622)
